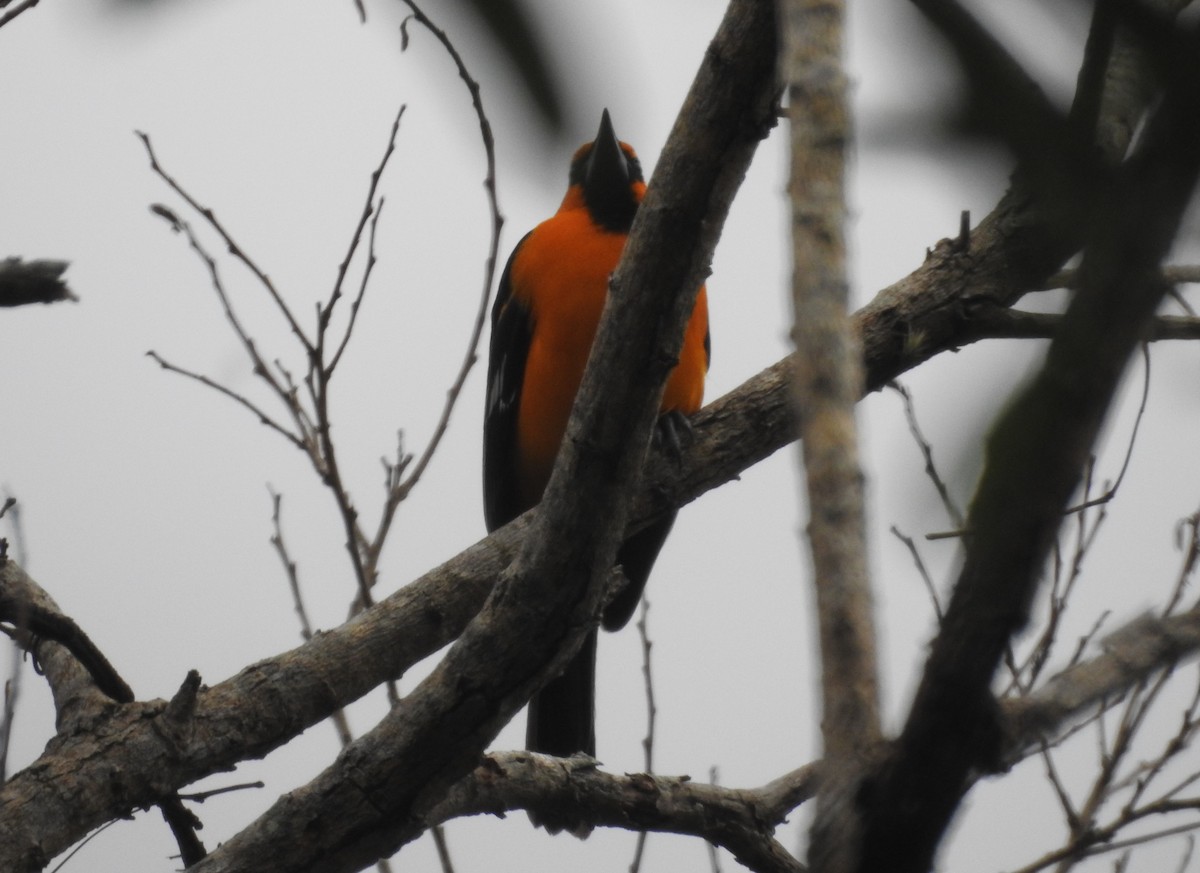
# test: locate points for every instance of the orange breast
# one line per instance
(562, 277)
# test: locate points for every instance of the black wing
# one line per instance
(511, 333)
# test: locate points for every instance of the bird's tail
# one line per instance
(562, 722)
(562, 716)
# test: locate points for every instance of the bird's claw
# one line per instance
(673, 433)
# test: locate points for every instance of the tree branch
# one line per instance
(828, 384)
(23, 282)
(739, 820)
(375, 797)
(1035, 457)
(1017, 324)
(268, 703)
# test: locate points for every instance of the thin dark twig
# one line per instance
(320, 375)
(443, 848)
(1102, 848)
(1177, 295)
(1191, 556)
(12, 686)
(1185, 274)
(17, 10)
(714, 857)
(1145, 775)
(302, 438)
(1111, 492)
(1185, 861)
(1065, 579)
(43, 624)
(914, 428)
(1085, 640)
(289, 565)
(263, 417)
(78, 846)
(370, 213)
(231, 244)
(648, 682)
(1060, 790)
(922, 569)
(341, 722)
(201, 796)
(489, 184)
(651, 716)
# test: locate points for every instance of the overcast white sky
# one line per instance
(144, 498)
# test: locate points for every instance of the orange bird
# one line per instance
(543, 323)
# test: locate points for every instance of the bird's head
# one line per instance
(606, 177)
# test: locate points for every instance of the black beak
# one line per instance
(607, 166)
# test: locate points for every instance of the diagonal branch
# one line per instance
(382, 785)
(1035, 458)
(270, 702)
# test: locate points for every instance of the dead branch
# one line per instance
(1036, 454)
(24, 282)
(827, 387)
(549, 598)
(739, 820)
(17, 10)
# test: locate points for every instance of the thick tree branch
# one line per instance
(37, 622)
(78, 701)
(1035, 458)
(1130, 655)
(85, 687)
(740, 820)
(550, 597)
(49, 805)
(829, 382)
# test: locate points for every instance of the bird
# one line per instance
(544, 319)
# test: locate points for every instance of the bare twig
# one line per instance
(995, 323)
(1186, 858)
(651, 716)
(341, 722)
(714, 854)
(1111, 491)
(34, 621)
(289, 566)
(370, 212)
(17, 10)
(489, 184)
(1177, 274)
(914, 428)
(262, 416)
(12, 685)
(921, 569)
(237, 252)
(1191, 556)
(443, 848)
(79, 846)
(201, 796)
